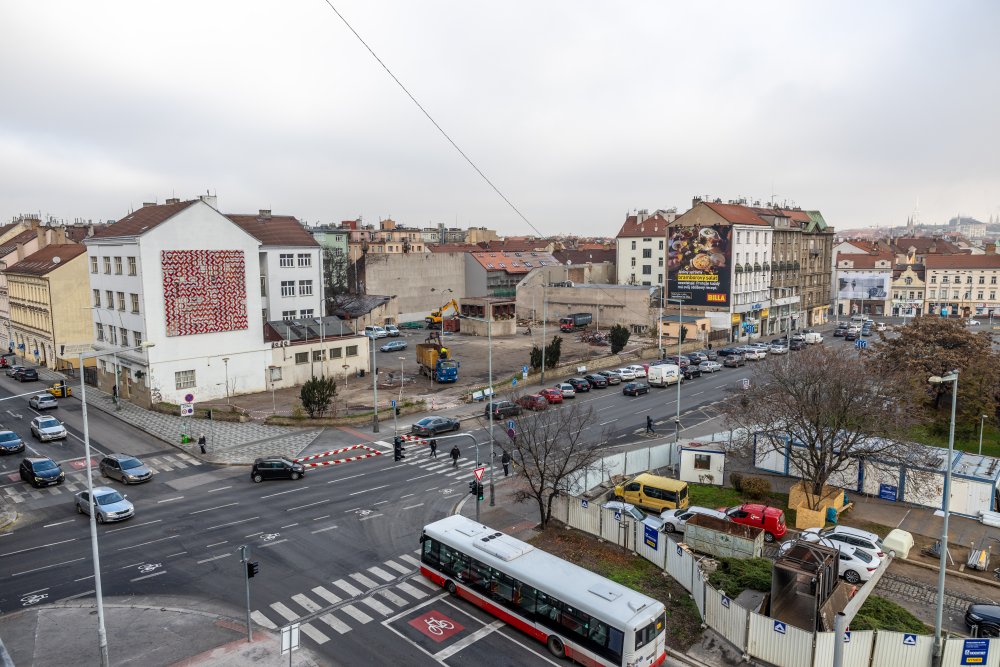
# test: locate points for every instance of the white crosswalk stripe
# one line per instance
(326, 595)
(412, 591)
(410, 559)
(393, 598)
(363, 580)
(427, 583)
(306, 603)
(397, 567)
(262, 620)
(381, 574)
(313, 634)
(377, 606)
(335, 623)
(285, 612)
(348, 588)
(356, 614)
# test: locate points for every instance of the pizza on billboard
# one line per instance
(698, 265)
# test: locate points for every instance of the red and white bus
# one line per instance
(578, 614)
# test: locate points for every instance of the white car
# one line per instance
(627, 374)
(709, 366)
(637, 370)
(567, 389)
(634, 513)
(777, 349)
(855, 565)
(973, 323)
(855, 537)
(754, 353)
(43, 402)
(47, 428)
(880, 326)
(676, 520)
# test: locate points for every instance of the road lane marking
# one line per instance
(326, 595)
(363, 580)
(412, 591)
(468, 640)
(132, 565)
(410, 559)
(347, 588)
(58, 523)
(370, 516)
(209, 546)
(155, 574)
(381, 502)
(323, 530)
(288, 526)
(89, 576)
(345, 478)
(262, 620)
(254, 534)
(335, 623)
(393, 598)
(45, 567)
(398, 568)
(325, 516)
(410, 507)
(214, 558)
(284, 611)
(306, 603)
(169, 500)
(407, 495)
(134, 525)
(51, 544)
(379, 607)
(179, 553)
(233, 523)
(271, 544)
(281, 493)
(142, 544)
(221, 488)
(374, 488)
(356, 614)
(299, 507)
(209, 509)
(381, 574)
(40, 590)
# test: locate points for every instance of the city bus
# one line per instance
(576, 613)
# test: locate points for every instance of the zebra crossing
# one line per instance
(419, 456)
(76, 480)
(357, 599)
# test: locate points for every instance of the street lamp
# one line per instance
(945, 508)
(225, 361)
(374, 387)
(102, 635)
(982, 423)
(680, 328)
(399, 401)
(489, 337)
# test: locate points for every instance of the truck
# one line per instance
(575, 321)
(436, 362)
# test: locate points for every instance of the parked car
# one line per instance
(854, 537)
(973, 323)
(125, 468)
(797, 345)
(109, 505)
(639, 371)
(433, 425)
(734, 361)
(770, 519)
(613, 377)
(276, 467)
(983, 620)
(392, 330)
(852, 335)
(881, 326)
(43, 402)
(710, 366)
(502, 410)
(677, 360)
(776, 348)
(579, 384)
(691, 372)
(41, 471)
(813, 338)
(552, 395)
(753, 353)
(567, 390)
(675, 520)
(533, 402)
(634, 513)
(711, 354)
(840, 330)
(10, 443)
(60, 389)
(635, 388)
(26, 375)
(393, 346)
(728, 351)
(596, 380)
(375, 331)
(627, 374)
(47, 428)
(854, 565)
(11, 370)
(696, 357)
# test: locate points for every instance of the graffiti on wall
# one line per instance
(204, 291)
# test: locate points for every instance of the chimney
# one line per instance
(43, 238)
(933, 248)
(173, 200)
(20, 251)
(264, 213)
(991, 248)
(211, 200)
(60, 235)
(148, 203)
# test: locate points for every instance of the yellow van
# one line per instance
(654, 492)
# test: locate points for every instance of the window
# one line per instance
(306, 313)
(993, 280)
(288, 315)
(336, 352)
(107, 265)
(702, 462)
(633, 261)
(93, 265)
(286, 260)
(100, 332)
(124, 333)
(352, 350)
(982, 280)
(979, 294)
(647, 253)
(263, 285)
(118, 266)
(944, 280)
(111, 299)
(319, 355)
(97, 298)
(131, 266)
(908, 281)
(661, 244)
(135, 302)
(647, 270)
(305, 260)
(112, 335)
(660, 263)
(933, 279)
(305, 288)
(287, 288)
(184, 379)
(993, 295)
(137, 338)
(121, 300)
(633, 245)
(968, 280)
(104, 366)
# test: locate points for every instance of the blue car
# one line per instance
(393, 346)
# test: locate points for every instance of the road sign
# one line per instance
(392, 403)
(584, 504)
(479, 473)
(187, 409)
(289, 638)
(510, 424)
(745, 383)
(651, 536)
(618, 515)
(524, 371)
(513, 382)
(779, 627)
(860, 344)
(725, 601)
(189, 398)
(75, 348)
(909, 640)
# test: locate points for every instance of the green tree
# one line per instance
(619, 338)
(552, 352)
(317, 394)
(535, 358)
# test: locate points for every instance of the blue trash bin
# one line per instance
(831, 515)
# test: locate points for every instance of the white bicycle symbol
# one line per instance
(29, 600)
(364, 512)
(146, 568)
(436, 627)
(269, 536)
(447, 491)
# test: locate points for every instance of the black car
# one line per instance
(435, 425)
(26, 375)
(677, 360)
(41, 472)
(728, 352)
(596, 381)
(611, 377)
(983, 620)
(697, 357)
(276, 467)
(851, 335)
(797, 345)
(503, 409)
(10, 443)
(579, 384)
(690, 372)
(840, 330)
(635, 388)
(734, 361)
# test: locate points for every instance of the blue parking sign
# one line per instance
(651, 536)
(779, 627)
(975, 651)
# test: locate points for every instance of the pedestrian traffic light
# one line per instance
(253, 567)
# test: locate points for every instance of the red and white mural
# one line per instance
(204, 291)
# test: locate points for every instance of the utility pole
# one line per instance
(545, 316)
(374, 388)
(245, 560)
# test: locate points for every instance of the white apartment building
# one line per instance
(290, 265)
(186, 278)
(751, 286)
(641, 248)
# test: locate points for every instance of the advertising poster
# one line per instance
(698, 265)
(863, 285)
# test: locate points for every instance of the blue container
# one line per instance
(831, 515)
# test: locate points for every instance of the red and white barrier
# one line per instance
(370, 453)
(420, 440)
(323, 455)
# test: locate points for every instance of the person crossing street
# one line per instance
(434, 449)
(649, 425)
(455, 453)
(505, 461)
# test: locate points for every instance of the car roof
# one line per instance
(120, 455)
(848, 530)
(38, 459)
(101, 489)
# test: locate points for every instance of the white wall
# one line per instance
(294, 373)
(270, 263)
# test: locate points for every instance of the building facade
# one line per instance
(908, 289)
(863, 284)
(962, 285)
(640, 248)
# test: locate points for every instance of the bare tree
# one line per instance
(825, 409)
(551, 452)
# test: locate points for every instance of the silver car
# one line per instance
(709, 366)
(43, 402)
(126, 469)
(109, 505)
(47, 428)
(676, 520)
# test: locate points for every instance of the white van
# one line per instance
(662, 375)
(813, 338)
(375, 331)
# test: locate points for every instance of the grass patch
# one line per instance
(683, 622)
(736, 575)
(877, 613)
(966, 442)
(709, 495)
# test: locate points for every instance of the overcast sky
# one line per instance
(578, 111)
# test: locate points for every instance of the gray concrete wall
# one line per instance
(609, 304)
(411, 276)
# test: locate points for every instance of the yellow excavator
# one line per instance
(433, 321)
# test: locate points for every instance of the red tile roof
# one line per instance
(584, 256)
(654, 225)
(861, 261)
(861, 244)
(142, 220)
(736, 214)
(48, 259)
(453, 247)
(924, 245)
(514, 245)
(274, 230)
(962, 261)
(10, 245)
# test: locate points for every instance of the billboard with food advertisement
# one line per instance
(864, 285)
(699, 264)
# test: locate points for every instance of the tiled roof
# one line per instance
(861, 261)
(77, 233)
(867, 246)
(962, 261)
(924, 245)
(11, 244)
(900, 269)
(142, 220)
(513, 262)
(274, 230)
(736, 214)
(584, 256)
(514, 245)
(654, 225)
(47, 259)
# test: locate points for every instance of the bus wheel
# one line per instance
(452, 589)
(556, 647)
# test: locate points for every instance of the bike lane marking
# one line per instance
(436, 626)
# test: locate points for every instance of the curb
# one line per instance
(952, 573)
(7, 518)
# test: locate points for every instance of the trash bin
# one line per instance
(831, 515)
(361, 373)
(899, 541)
(185, 438)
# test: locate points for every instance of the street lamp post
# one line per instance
(374, 387)
(945, 508)
(545, 315)
(102, 635)
(489, 338)
(982, 423)
(399, 401)
(680, 328)
(225, 360)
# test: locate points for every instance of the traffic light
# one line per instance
(397, 449)
(473, 488)
(479, 490)
(253, 567)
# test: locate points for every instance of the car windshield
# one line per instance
(862, 556)
(45, 465)
(109, 498)
(49, 422)
(128, 464)
(425, 421)
(8, 436)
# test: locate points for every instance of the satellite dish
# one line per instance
(56, 260)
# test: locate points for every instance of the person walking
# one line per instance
(505, 460)
(455, 453)
(434, 449)
(201, 443)
(649, 425)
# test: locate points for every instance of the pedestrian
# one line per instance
(455, 453)
(649, 424)
(710, 346)
(505, 460)
(201, 443)
(434, 449)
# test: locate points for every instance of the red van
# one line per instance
(769, 519)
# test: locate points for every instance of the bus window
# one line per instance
(505, 588)
(524, 597)
(647, 634)
(430, 553)
(616, 641)
(575, 621)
